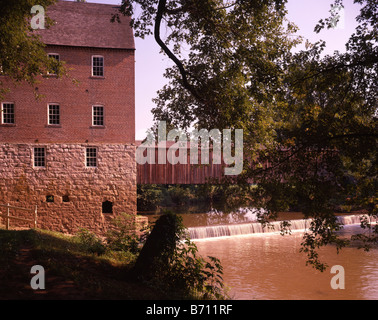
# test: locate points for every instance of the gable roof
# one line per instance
(85, 24)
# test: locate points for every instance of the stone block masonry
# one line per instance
(70, 195)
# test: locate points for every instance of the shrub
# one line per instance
(89, 242)
(171, 263)
(122, 237)
(190, 275)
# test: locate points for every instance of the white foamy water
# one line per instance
(229, 230)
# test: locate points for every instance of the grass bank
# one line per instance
(71, 270)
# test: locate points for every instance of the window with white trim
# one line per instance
(7, 113)
(98, 116)
(53, 114)
(91, 157)
(97, 66)
(39, 157)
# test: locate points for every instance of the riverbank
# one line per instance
(71, 272)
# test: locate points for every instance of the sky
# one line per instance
(151, 64)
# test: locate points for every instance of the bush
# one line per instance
(170, 262)
(90, 243)
(123, 235)
(190, 275)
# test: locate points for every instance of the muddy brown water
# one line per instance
(267, 265)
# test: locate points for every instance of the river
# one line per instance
(267, 265)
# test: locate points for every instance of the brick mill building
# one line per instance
(72, 152)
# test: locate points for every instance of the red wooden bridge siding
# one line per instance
(179, 173)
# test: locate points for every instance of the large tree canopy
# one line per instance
(312, 117)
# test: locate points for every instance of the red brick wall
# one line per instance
(76, 94)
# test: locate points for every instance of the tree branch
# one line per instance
(159, 16)
(357, 63)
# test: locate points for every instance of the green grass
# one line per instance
(72, 270)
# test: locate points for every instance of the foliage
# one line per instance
(89, 242)
(223, 197)
(175, 265)
(22, 54)
(123, 237)
(309, 119)
(190, 275)
(149, 197)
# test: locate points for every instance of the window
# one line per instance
(91, 157)
(7, 113)
(98, 116)
(39, 157)
(107, 207)
(97, 66)
(53, 114)
(54, 64)
(50, 198)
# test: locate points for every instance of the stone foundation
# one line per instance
(69, 195)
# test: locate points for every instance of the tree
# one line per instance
(22, 54)
(170, 262)
(313, 119)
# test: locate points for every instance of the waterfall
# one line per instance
(257, 228)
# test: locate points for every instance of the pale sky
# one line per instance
(151, 64)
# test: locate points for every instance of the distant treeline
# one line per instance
(153, 197)
(224, 197)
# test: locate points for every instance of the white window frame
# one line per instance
(48, 114)
(91, 157)
(93, 115)
(34, 157)
(53, 54)
(103, 66)
(2, 113)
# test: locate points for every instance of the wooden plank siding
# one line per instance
(179, 173)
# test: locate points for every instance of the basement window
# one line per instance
(107, 207)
